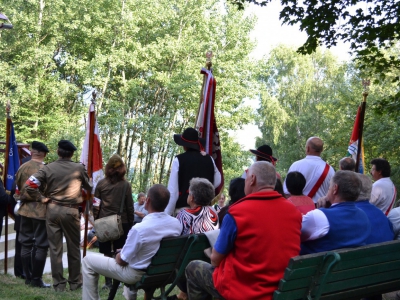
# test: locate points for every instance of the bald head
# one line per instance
(314, 146)
(347, 163)
(260, 176)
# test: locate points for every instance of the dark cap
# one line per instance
(38, 146)
(66, 145)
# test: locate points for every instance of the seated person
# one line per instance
(142, 243)
(394, 218)
(139, 210)
(381, 228)
(245, 263)
(236, 192)
(342, 225)
(295, 183)
(200, 216)
(220, 204)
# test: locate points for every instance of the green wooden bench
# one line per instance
(342, 274)
(169, 263)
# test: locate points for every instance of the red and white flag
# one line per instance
(97, 158)
(206, 124)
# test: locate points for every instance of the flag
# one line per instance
(206, 124)
(13, 159)
(97, 158)
(353, 145)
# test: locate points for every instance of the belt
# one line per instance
(74, 205)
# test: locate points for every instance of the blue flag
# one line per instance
(13, 160)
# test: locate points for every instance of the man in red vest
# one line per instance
(259, 235)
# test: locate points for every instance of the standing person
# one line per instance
(259, 234)
(316, 171)
(383, 194)
(193, 163)
(140, 211)
(347, 164)
(109, 192)
(32, 233)
(61, 183)
(142, 243)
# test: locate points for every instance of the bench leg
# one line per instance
(148, 293)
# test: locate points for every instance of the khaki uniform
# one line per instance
(61, 182)
(32, 230)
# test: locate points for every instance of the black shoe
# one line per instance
(173, 297)
(39, 283)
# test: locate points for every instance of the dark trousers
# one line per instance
(18, 270)
(33, 234)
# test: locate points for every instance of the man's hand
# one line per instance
(323, 202)
(45, 200)
(119, 260)
(216, 258)
(140, 214)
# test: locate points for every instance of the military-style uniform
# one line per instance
(32, 230)
(61, 182)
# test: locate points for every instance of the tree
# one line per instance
(369, 27)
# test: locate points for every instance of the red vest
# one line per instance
(268, 235)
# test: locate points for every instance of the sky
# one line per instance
(269, 33)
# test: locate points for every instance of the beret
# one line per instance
(39, 147)
(66, 145)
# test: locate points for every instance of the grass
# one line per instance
(12, 288)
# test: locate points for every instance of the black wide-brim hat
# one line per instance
(264, 151)
(189, 138)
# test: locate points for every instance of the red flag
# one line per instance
(96, 172)
(353, 145)
(206, 123)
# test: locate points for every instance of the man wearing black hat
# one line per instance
(263, 153)
(59, 184)
(32, 231)
(194, 162)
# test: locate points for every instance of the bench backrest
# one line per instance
(164, 262)
(342, 274)
(171, 259)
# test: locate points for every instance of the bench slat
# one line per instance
(364, 251)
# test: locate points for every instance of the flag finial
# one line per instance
(366, 83)
(94, 97)
(8, 109)
(209, 56)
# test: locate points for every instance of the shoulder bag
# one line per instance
(110, 228)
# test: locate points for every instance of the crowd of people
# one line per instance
(264, 224)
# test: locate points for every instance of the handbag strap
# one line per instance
(123, 200)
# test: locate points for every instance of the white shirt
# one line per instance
(382, 194)
(139, 208)
(312, 168)
(173, 185)
(394, 217)
(144, 238)
(315, 225)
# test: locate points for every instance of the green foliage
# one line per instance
(369, 27)
(143, 59)
(314, 95)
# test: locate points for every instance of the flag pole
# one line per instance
(89, 171)
(365, 83)
(5, 172)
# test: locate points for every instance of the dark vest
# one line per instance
(192, 164)
(349, 227)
